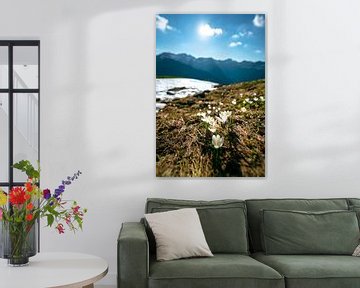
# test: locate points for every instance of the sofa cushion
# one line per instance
(353, 201)
(254, 207)
(223, 221)
(178, 234)
(222, 270)
(313, 271)
(297, 232)
(356, 209)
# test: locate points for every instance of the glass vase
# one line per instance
(18, 242)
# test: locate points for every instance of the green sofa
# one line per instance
(233, 230)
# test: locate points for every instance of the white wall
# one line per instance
(98, 105)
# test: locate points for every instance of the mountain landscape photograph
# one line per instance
(210, 95)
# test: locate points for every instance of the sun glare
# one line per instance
(205, 30)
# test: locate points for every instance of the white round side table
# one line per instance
(50, 270)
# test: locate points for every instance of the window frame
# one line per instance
(10, 91)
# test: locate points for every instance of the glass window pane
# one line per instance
(26, 67)
(4, 67)
(5, 189)
(26, 130)
(4, 137)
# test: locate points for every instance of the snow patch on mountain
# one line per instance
(168, 89)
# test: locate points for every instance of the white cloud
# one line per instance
(163, 24)
(259, 20)
(205, 30)
(235, 44)
(246, 33)
(242, 34)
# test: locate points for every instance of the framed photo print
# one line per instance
(210, 95)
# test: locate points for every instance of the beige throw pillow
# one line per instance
(357, 251)
(178, 234)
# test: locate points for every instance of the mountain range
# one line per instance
(220, 71)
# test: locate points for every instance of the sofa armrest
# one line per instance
(133, 256)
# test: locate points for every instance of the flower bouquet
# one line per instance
(21, 208)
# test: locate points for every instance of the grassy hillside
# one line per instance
(185, 145)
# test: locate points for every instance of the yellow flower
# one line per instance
(3, 198)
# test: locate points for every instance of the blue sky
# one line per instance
(220, 36)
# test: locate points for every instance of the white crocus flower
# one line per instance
(208, 119)
(241, 94)
(221, 104)
(256, 99)
(243, 109)
(223, 116)
(254, 94)
(209, 112)
(213, 128)
(202, 114)
(233, 102)
(247, 99)
(212, 123)
(217, 141)
(262, 98)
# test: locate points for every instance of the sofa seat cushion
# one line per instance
(313, 271)
(222, 270)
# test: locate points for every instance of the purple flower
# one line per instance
(46, 194)
(58, 192)
(64, 183)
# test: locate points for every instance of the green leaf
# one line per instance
(50, 219)
(53, 211)
(79, 221)
(28, 168)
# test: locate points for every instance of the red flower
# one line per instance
(29, 217)
(60, 228)
(75, 209)
(29, 206)
(27, 196)
(68, 219)
(29, 187)
(17, 196)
